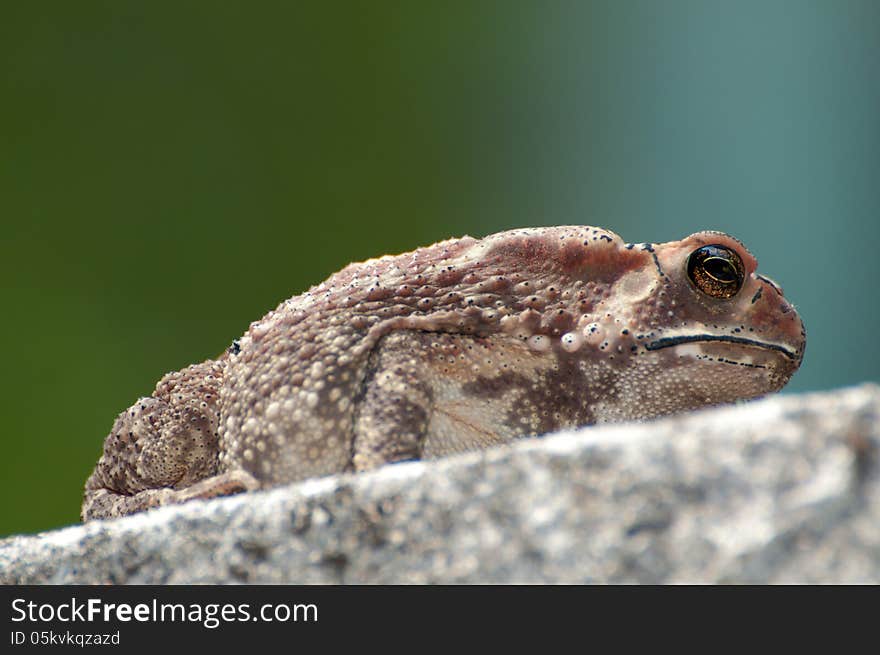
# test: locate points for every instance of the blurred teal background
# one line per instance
(172, 170)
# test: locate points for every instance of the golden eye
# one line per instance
(716, 270)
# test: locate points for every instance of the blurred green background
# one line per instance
(173, 170)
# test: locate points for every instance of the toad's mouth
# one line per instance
(668, 342)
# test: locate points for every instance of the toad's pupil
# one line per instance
(720, 270)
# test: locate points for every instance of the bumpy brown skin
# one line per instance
(452, 347)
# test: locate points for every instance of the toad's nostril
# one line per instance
(773, 284)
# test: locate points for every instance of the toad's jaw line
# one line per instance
(668, 342)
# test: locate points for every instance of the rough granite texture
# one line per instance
(779, 490)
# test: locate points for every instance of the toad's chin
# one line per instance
(730, 341)
(730, 365)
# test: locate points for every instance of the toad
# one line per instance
(457, 346)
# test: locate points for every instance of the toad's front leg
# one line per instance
(392, 421)
(431, 394)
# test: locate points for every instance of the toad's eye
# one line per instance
(716, 270)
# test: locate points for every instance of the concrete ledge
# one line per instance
(779, 490)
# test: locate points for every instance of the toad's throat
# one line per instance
(667, 342)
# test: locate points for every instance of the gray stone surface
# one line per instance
(780, 490)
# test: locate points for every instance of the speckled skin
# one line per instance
(460, 345)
